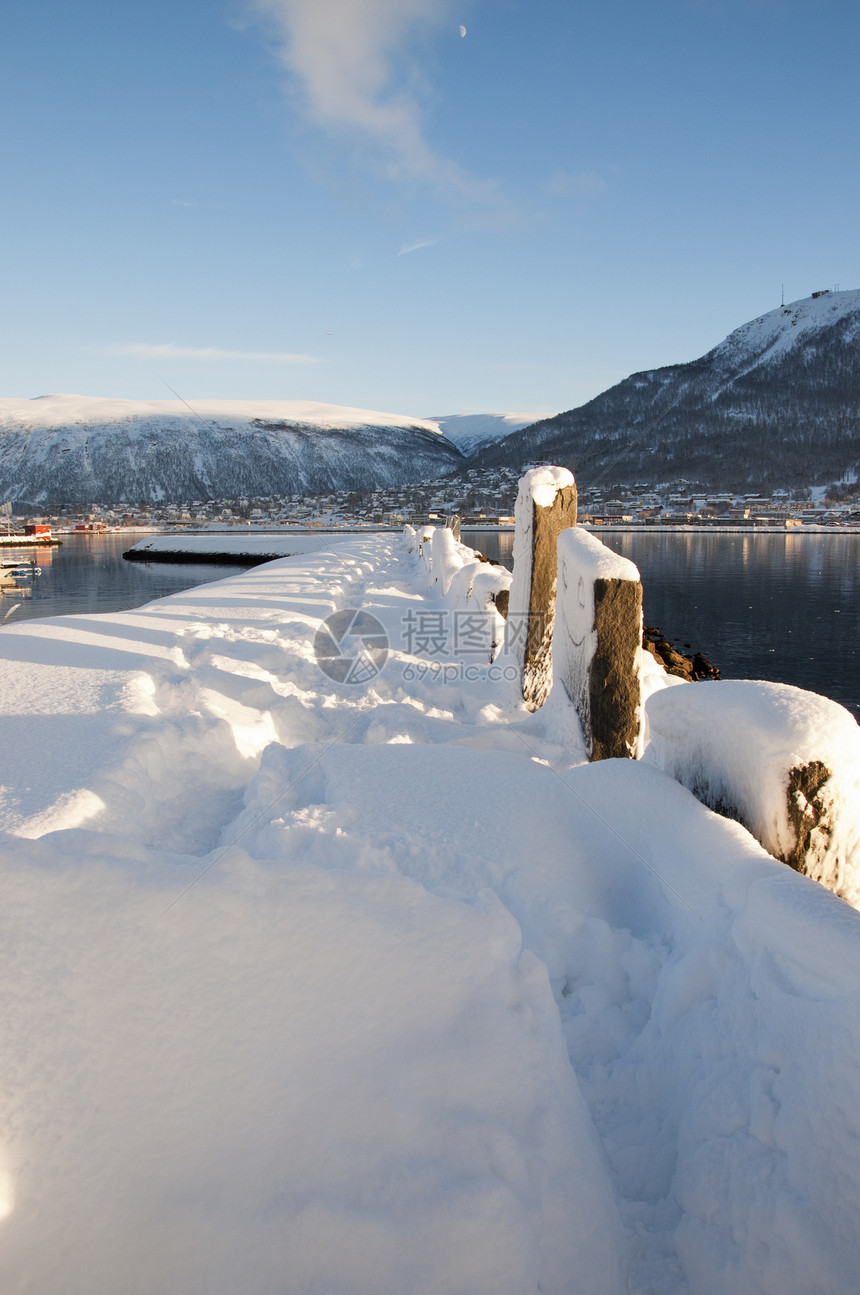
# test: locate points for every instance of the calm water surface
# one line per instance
(782, 607)
(88, 573)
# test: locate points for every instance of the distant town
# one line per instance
(479, 496)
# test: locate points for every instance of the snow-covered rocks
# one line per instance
(474, 590)
(546, 505)
(784, 762)
(597, 642)
(444, 556)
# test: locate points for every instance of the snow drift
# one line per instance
(373, 989)
(783, 761)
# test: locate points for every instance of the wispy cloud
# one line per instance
(168, 351)
(579, 183)
(416, 247)
(350, 60)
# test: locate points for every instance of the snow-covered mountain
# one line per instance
(74, 449)
(777, 403)
(472, 432)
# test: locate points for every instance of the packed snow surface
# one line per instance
(377, 988)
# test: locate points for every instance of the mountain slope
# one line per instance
(472, 432)
(775, 404)
(76, 449)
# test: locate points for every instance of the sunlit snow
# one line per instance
(381, 989)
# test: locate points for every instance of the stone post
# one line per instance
(597, 648)
(546, 505)
(780, 760)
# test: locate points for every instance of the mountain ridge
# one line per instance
(66, 449)
(472, 432)
(776, 403)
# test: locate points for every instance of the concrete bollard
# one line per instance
(546, 505)
(597, 647)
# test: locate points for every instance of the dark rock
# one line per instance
(808, 811)
(697, 667)
(703, 669)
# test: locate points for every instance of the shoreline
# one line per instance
(640, 529)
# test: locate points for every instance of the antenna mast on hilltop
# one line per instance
(782, 302)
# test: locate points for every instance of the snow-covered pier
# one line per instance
(329, 966)
(245, 548)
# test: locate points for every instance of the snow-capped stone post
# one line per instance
(780, 760)
(597, 645)
(424, 537)
(546, 505)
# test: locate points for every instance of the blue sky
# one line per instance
(350, 201)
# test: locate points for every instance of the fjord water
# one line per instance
(784, 607)
(88, 573)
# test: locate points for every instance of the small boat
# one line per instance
(18, 576)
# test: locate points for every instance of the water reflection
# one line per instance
(784, 607)
(498, 546)
(88, 573)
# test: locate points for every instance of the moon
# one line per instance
(462, 31)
